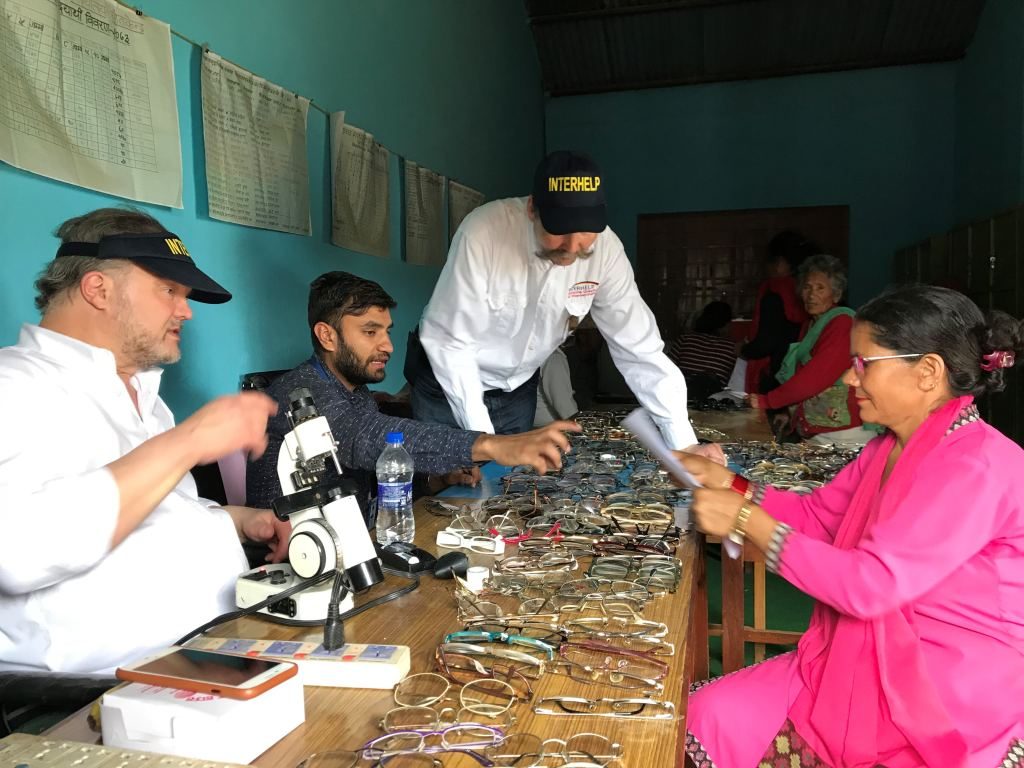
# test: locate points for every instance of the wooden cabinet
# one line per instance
(980, 259)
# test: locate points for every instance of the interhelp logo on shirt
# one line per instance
(581, 296)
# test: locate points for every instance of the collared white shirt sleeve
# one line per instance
(68, 601)
(629, 327)
(451, 326)
(60, 527)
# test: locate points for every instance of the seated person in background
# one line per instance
(555, 396)
(779, 314)
(822, 406)
(107, 552)
(350, 326)
(915, 554)
(707, 355)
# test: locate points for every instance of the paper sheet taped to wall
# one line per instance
(424, 215)
(87, 97)
(461, 201)
(360, 218)
(257, 171)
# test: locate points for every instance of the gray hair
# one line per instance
(63, 275)
(829, 266)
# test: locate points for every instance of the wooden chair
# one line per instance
(733, 630)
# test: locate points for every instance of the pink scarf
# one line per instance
(868, 698)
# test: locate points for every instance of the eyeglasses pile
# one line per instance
(578, 558)
(799, 467)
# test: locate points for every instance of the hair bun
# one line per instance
(1000, 334)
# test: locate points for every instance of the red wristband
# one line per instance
(741, 485)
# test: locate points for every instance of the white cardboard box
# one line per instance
(200, 725)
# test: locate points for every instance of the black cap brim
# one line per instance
(204, 288)
(568, 220)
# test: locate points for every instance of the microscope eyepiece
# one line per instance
(301, 406)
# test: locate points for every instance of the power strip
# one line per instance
(351, 666)
(22, 750)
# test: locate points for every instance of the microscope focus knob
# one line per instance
(313, 548)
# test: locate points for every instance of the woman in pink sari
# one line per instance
(915, 555)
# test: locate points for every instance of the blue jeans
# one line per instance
(511, 412)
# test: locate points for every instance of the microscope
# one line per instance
(328, 531)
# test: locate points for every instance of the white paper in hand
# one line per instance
(646, 432)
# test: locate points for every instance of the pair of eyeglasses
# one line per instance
(612, 678)
(449, 539)
(859, 362)
(465, 669)
(430, 719)
(495, 658)
(487, 696)
(602, 656)
(542, 630)
(565, 561)
(640, 708)
(484, 636)
(524, 750)
(454, 738)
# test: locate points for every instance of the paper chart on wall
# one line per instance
(87, 97)
(360, 184)
(257, 172)
(461, 200)
(424, 215)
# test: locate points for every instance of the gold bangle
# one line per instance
(739, 526)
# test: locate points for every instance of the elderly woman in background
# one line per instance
(820, 403)
(915, 554)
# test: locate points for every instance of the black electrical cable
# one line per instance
(334, 628)
(232, 615)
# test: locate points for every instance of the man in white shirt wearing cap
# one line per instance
(107, 551)
(519, 272)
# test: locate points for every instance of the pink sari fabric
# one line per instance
(916, 651)
(851, 665)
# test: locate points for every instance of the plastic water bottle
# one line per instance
(395, 521)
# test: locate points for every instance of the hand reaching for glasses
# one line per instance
(708, 473)
(540, 448)
(712, 451)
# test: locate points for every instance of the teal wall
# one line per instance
(879, 140)
(451, 84)
(990, 114)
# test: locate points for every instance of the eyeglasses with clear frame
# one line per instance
(859, 362)
(638, 708)
(457, 738)
(583, 750)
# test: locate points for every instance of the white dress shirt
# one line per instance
(67, 601)
(498, 311)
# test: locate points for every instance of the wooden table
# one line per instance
(747, 424)
(338, 718)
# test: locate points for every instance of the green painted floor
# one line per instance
(787, 607)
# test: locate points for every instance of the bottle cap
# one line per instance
(476, 575)
(394, 438)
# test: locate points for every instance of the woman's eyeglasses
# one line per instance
(859, 362)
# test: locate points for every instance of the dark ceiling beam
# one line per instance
(929, 57)
(633, 10)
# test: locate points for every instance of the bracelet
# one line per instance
(742, 486)
(773, 555)
(739, 527)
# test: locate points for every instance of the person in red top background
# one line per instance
(779, 314)
(821, 406)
